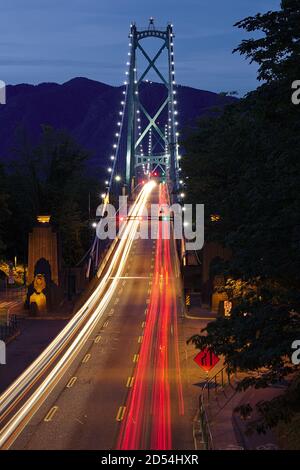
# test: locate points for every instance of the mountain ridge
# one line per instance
(88, 110)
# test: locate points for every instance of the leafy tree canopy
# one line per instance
(51, 178)
(244, 166)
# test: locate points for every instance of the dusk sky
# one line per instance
(58, 40)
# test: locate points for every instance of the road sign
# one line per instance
(206, 359)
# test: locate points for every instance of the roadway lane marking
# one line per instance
(105, 324)
(143, 324)
(149, 291)
(86, 358)
(111, 312)
(146, 311)
(121, 413)
(129, 382)
(116, 301)
(136, 357)
(97, 339)
(71, 382)
(140, 339)
(50, 414)
(123, 283)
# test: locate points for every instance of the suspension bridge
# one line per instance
(112, 377)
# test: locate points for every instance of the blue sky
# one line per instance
(56, 40)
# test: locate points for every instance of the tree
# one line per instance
(277, 51)
(244, 166)
(4, 210)
(51, 178)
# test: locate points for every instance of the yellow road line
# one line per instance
(129, 382)
(71, 382)
(97, 339)
(105, 324)
(50, 414)
(136, 357)
(121, 413)
(143, 324)
(86, 358)
(140, 340)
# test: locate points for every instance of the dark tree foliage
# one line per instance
(4, 210)
(50, 178)
(277, 50)
(245, 166)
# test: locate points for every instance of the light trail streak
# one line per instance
(87, 318)
(161, 406)
(131, 432)
(148, 420)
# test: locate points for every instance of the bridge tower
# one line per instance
(155, 128)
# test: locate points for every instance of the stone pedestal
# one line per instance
(43, 268)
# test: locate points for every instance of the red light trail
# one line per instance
(148, 419)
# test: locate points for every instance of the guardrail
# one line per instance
(12, 293)
(9, 329)
(219, 380)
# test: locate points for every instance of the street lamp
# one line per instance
(118, 178)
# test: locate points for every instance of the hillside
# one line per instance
(87, 109)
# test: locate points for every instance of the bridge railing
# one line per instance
(216, 383)
(14, 293)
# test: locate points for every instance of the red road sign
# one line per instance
(206, 359)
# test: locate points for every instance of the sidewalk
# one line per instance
(34, 338)
(193, 377)
(226, 426)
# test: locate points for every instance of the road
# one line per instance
(124, 388)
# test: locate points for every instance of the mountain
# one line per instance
(88, 110)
